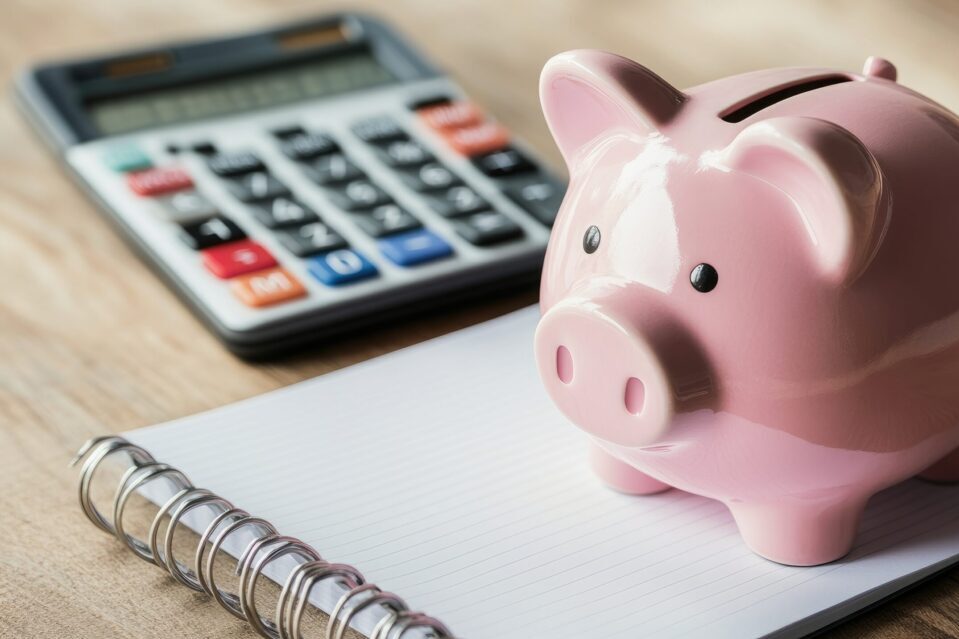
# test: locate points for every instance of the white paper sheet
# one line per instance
(445, 474)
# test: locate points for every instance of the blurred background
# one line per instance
(91, 342)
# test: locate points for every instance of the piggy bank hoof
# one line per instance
(799, 533)
(622, 477)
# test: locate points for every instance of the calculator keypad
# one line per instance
(350, 186)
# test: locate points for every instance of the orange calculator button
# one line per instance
(475, 140)
(451, 115)
(264, 288)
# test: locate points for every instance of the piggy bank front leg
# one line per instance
(945, 471)
(799, 532)
(620, 476)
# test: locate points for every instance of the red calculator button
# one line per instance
(264, 288)
(159, 181)
(451, 115)
(475, 140)
(236, 258)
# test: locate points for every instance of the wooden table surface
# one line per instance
(91, 342)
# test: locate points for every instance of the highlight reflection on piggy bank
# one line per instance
(752, 290)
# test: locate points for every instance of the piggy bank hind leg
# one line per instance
(622, 477)
(945, 471)
(800, 532)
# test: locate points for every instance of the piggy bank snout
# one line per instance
(609, 371)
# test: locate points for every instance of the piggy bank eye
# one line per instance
(704, 278)
(591, 239)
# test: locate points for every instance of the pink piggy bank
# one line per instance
(752, 290)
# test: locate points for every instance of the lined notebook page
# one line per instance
(445, 474)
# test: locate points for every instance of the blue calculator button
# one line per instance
(124, 158)
(414, 247)
(341, 267)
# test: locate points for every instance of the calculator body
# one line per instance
(299, 182)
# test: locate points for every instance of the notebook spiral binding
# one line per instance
(264, 549)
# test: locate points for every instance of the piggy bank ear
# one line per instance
(833, 180)
(587, 94)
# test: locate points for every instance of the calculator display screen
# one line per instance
(237, 93)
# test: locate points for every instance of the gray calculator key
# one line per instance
(430, 177)
(377, 130)
(386, 220)
(307, 146)
(358, 194)
(540, 197)
(488, 227)
(309, 239)
(256, 186)
(229, 164)
(334, 168)
(404, 153)
(282, 211)
(458, 200)
(186, 206)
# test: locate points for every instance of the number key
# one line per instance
(341, 267)
(541, 198)
(334, 168)
(458, 200)
(211, 232)
(256, 186)
(310, 239)
(359, 194)
(282, 211)
(429, 177)
(386, 220)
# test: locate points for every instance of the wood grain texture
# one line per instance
(91, 342)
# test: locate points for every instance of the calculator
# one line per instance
(301, 181)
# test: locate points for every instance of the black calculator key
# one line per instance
(429, 177)
(203, 148)
(377, 130)
(540, 197)
(211, 232)
(308, 146)
(309, 239)
(229, 164)
(458, 200)
(503, 162)
(358, 194)
(282, 211)
(287, 131)
(403, 153)
(386, 219)
(488, 227)
(333, 169)
(256, 186)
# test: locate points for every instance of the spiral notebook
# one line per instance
(445, 474)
